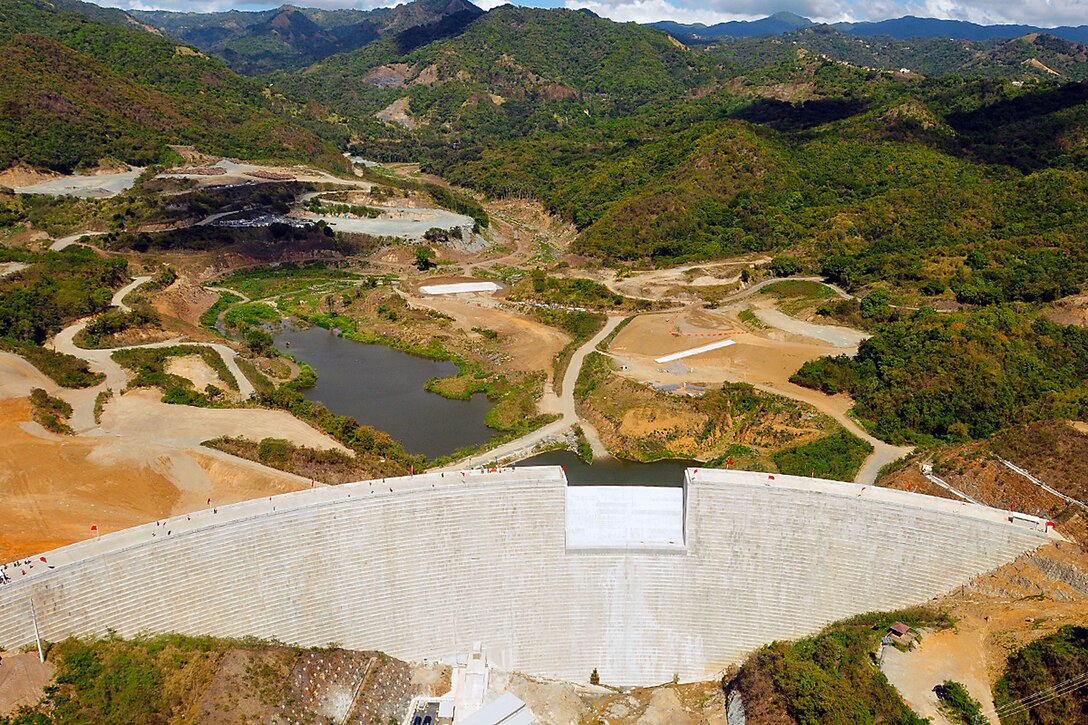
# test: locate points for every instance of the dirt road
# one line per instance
(524, 446)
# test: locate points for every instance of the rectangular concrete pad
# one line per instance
(458, 288)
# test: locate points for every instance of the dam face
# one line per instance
(640, 585)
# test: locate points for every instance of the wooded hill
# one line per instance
(75, 90)
(290, 38)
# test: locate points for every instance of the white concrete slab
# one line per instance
(624, 517)
(695, 351)
(458, 288)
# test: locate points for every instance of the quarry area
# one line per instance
(692, 362)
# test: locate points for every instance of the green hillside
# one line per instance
(76, 90)
(1032, 57)
(511, 71)
(289, 37)
(663, 154)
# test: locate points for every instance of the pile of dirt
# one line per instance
(562, 703)
(24, 176)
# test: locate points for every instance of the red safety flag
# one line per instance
(311, 483)
(43, 559)
(209, 502)
(94, 527)
(729, 462)
(771, 477)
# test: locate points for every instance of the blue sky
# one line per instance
(1045, 13)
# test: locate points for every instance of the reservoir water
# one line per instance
(613, 471)
(383, 388)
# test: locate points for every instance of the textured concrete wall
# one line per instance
(442, 561)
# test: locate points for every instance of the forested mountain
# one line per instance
(1035, 56)
(511, 71)
(75, 90)
(905, 28)
(290, 37)
(776, 24)
(658, 152)
(661, 153)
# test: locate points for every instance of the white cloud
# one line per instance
(1045, 13)
(710, 11)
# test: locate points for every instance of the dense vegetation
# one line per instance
(661, 154)
(958, 705)
(289, 37)
(831, 678)
(53, 290)
(52, 413)
(76, 90)
(837, 457)
(1058, 661)
(961, 375)
(144, 680)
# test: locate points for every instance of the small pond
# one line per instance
(383, 388)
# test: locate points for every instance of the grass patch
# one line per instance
(260, 382)
(799, 288)
(259, 283)
(211, 315)
(327, 466)
(749, 318)
(250, 314)
(144, 680)
(52, 413)
(796, 296)
(837, 456)
(149, 365)
(581, 326)
(582, 446)
(67, 371)
(100, 401)
(958, 705)
(102, 332)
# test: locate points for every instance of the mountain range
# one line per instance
(905, 28)
(290, 37)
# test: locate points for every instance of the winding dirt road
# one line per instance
(564, 404)
(101, 361)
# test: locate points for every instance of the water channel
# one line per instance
(383, 388)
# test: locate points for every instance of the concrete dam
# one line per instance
(640, 583)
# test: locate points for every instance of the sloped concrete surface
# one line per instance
(426, 566)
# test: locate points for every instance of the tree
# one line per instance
(875, 304)
(258, 341)
(424, 255)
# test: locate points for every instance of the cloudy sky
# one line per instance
(1045, 13)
